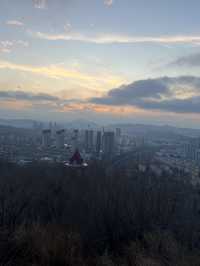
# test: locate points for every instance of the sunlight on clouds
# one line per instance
(15, 105)
(7, 46)
(15, 23)
(114, 110)
(101, 81)
(78, 92)
(85, 108)
(117, 38)
(183, 92)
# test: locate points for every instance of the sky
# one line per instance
(107, 61)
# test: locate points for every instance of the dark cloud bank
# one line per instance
(22, 95)
(192, 60)
(157, 94)
(172, 94)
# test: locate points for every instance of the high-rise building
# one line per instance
(197, 156)
(109, 143)
(118, 133)
(89, 140)
(75, 139)
(98, 142)
(51, 126)
(139, 141)
(46, 138)
(118, 138)
(60, 139)
(191, 147)
(192, 150)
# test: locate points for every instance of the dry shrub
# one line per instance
(163, 244)
(135, 255)
(48, 245)
(105, 260)
(147, 261)
(132, 252)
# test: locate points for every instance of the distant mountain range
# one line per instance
(142, 129)
(20, 123)
(28, 123)
(82, 124)
(136, 129)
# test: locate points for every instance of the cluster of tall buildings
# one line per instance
(91, 141)
(101, 141)
(47, 138)
(192, 150)
(60, 139)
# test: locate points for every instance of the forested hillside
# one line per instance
(51, 215)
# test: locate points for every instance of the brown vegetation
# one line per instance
(53, 216)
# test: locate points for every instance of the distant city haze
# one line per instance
(105, 61)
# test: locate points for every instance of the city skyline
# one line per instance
(103, 60)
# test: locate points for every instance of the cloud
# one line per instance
(108, 2)
(21, 43)
(190, 105)
(67, 26)
(40, 4)
(176, 94)
(116, 38)
(15, 23)
(79, 78)
(22, 100)
(192, 60)
(8, 46)
(27, 96)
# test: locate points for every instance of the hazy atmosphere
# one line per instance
(99, 133)
(104, 60)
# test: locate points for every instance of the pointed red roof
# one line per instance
(76, 158)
